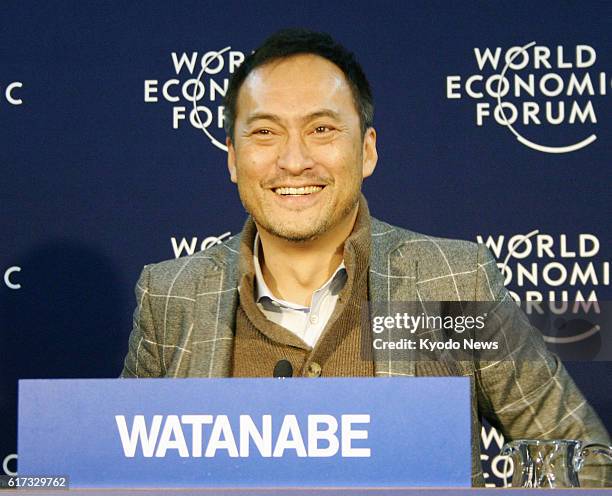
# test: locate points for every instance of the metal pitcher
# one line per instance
(554, 463)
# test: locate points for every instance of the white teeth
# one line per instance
(307, 190)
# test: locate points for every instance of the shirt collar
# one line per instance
(262, 291)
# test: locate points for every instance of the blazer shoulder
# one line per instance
(186, 273)
(399, 241)
(433, 254)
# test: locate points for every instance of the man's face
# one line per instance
(298, 155)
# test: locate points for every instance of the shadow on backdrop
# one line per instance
(65, 322)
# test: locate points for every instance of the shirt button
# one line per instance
(314, 319)
(314, 370)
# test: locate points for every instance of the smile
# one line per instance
(304, 190)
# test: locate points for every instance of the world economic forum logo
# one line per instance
(557, 279)
(196, 90)
(547, 97)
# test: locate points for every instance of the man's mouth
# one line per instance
(304, 190)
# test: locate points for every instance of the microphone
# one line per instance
(283, 369)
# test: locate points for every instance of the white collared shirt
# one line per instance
(305, 322)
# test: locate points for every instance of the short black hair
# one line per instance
(288, 42)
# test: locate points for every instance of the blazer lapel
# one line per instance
(215, 315)
(392, 279)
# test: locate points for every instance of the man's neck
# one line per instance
(294, 270)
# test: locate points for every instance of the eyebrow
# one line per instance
(309, 117)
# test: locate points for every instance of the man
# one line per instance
(292, 285)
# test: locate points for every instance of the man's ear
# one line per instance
(231, 159)
(370, 155)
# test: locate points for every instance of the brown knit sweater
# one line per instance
(344, 347)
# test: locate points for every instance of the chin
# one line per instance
(286, 228)
(297, 235)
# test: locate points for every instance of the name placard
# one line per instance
(376, 432)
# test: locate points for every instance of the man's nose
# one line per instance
(294, 155)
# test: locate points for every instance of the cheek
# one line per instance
(341, 161)
(256, 164)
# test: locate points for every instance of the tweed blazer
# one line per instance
(184, 323)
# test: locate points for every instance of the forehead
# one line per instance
(296, 84)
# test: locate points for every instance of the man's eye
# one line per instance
(263, 132)
(322, 129)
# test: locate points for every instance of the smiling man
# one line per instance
(299, 153)
(291, 289)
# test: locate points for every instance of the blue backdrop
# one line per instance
(103, 170)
